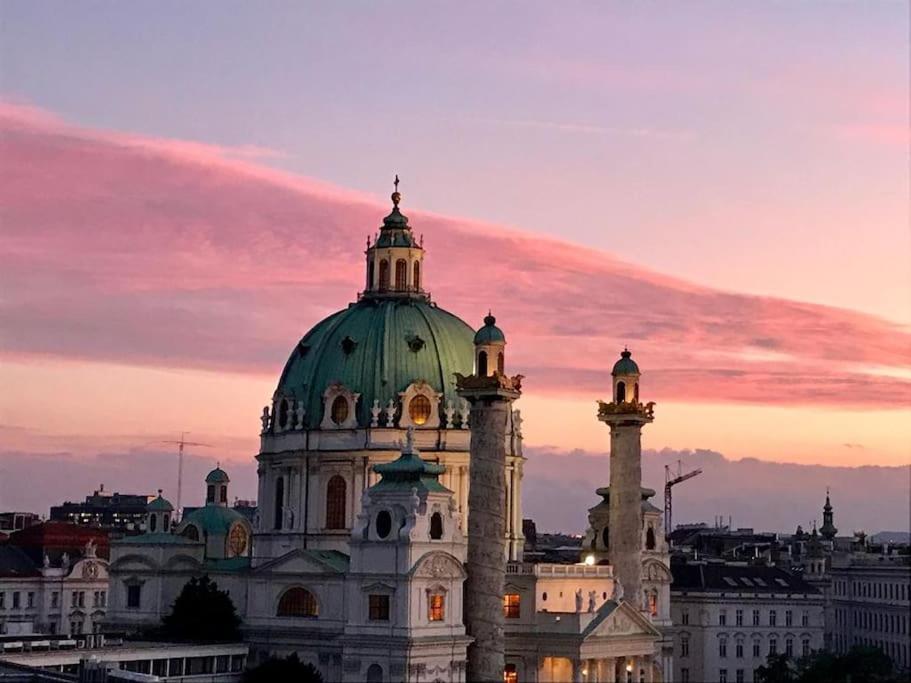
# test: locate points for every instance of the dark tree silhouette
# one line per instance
(860, 664)
(202, 614)
(277, 670)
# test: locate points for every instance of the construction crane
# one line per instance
(180, 446)
(670, 481)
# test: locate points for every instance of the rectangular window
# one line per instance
(685, 647)
(16, 600)
(738, 615)
(74, 599)
(379, 607)
(511, 605)
(82, 598)
(30, 600)
(773, 646)
(55, 600)
(755, 617)
(789, 647)
(104, 598)
(684, 675)
(133, 595)
(722, 648)
(722, 676)
(436, 607)
(684, 617)
(738, 649)
(95, 599)
(773, 618)
(805, 619)
(788, 618)
(722, 618)
(2, 600)
(739, 676)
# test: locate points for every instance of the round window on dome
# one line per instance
(419, 409)
(339, 410)
(237, 541)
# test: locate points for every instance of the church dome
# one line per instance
(217, 476)
(377, 347)
(213, 519)
(490, 333)
(160, 504)
(626, 365)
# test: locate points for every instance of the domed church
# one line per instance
(356, 558)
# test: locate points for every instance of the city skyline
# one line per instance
(168, 236)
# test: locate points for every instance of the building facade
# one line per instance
(728, 618)
(113, 511)
(357, 555)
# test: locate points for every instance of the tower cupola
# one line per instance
(828, 530)
(489, 346)
(395, 259)
(217, 487)
(626, 379)
(158, 515)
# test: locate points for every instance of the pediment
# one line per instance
(438, 565)
(620, 620)
(133, 562)
(297, 562)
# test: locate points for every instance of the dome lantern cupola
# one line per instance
(395, 259)
(489, 346)
(217, 487)
(158, 515)
(626, 379)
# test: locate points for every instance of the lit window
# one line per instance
(510, 675)
(511, 605)
(237, 541)
(401, 274)
(436, 607)
(339, 410)
(379, 607)
(297, 602)
(419, 409)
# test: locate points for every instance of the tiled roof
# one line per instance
(728, 578)
(14, 562)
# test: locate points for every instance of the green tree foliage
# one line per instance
(202, 614)
(277, 670)
(860, 665)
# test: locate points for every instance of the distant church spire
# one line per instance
(828, 530)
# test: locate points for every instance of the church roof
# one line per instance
(156, 539)
(217, 476)
(213, 519)
(409, 471)
(731, 578)
(490, 333)
(160, 504)
(376, 348)
(626, 365)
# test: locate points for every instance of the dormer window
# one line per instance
(419, 409)
(339, 408)
(436, 526)
(420, 406)
(348, 345)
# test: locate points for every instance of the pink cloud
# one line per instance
(172, 253)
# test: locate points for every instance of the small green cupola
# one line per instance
(409, 471)
(395, 259)
(159, 512)
(217, 487)
(489, 347)
(626, 379)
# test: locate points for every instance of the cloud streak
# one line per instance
(138, 250)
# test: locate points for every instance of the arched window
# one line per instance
(374, 674)
(482, 363)
(384, 275)
(335, 503)
(190, 532)
(636, 392)
(416, 278)
(436, 526)
(605, 537)
(383, 523)
(153, 523)
(210, 493)
(419, 409)
(297, 602)
(283, 413)
(621, 392)
(279, 502)
(167, 521)
(370, 283)
(650, 539)
(401, 274)
(339, 410)
(510, 675)
(223, 494)
(500, 364)
(653, 603)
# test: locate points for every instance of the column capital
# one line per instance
(495, 387)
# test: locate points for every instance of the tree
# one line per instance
(202, 614)
(277, 669)
(777, 669)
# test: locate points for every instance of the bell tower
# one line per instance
(626, 416)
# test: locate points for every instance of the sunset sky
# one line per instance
(186, 188)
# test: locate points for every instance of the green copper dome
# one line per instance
(490, 332)
(217, 476)
(626, 365)
(160, 504)
(376, 348)
(213, 519)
